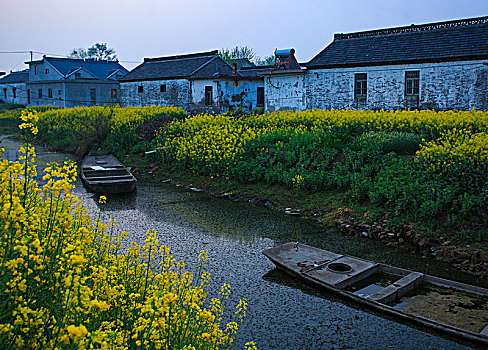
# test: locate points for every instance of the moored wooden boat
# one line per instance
(106, 175)
(455, 308)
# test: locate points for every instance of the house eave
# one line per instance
(71, 81)
(285, 72)
(228, 77)
(153, 79)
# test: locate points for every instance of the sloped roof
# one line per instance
(16, 77)
(100, 69)
(255, 71)
(242, 62)
(465, 39)
(197, 65)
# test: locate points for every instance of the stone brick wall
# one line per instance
(177, 93)
(451, 85)
(285, 91)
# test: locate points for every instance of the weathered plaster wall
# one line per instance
(285, 92)
(226, 93)
(241, 93)
(451, 85)
(197, 96)
(7, 93)
(177, 93)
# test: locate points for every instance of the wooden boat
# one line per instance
(105, 174)
(451, 307)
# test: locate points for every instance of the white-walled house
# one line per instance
(437, 66)
(199, 83)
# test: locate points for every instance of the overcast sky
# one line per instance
(152, 28)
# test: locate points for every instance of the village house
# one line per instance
(198, 82)
(67, 82)
(437, 66)
(13, 87)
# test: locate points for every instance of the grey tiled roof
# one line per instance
(443, 41)
(15, 77)
(255, 71)
(100, 69)
(198, 65)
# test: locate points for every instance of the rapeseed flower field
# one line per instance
(424, 164)
(65, 282)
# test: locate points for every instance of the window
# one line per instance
(14, 92)
(50, 93)
(77, 75)
(208, 96)
(162, 88)
(93, 96)
(5, 92)
(47, 71)
(360, 86)
(140, 89)
(35, 69)
(412, 86)
(113, 94)
(40, 93)
(28, 96)
(59, 92)
(260, 97)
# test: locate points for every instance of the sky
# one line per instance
(155, 28)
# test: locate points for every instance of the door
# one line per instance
(260, 97)
(93, 96)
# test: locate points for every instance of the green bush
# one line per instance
(402, 143)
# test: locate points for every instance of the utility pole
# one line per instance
(31, 55)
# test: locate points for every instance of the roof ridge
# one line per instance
(413, 28)
(176, 57)
(203, 65)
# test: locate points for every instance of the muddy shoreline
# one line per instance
(470, 260)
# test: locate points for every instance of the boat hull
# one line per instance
(106, 175)
(312, 265)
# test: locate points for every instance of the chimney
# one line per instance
(234, 68)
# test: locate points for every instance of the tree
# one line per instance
(79, 53)
(98, 51)
(266, 61)
(229, 55)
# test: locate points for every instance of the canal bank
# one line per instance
(283, 314)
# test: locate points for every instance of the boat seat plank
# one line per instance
(395, 291)
(361, 269)
(299, 258)
(110, 177)
(99, 182)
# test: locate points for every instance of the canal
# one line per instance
(282, 313)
